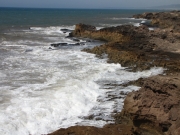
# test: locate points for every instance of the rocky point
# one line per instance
(155, 108)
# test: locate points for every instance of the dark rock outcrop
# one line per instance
(106, 34)
(59, 44)
(66, 44)
(66, 30)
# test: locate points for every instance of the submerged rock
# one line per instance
(66, 30)
(59, 44)
(66, 44)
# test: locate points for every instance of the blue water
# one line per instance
(28, 17)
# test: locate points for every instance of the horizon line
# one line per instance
(110, 8)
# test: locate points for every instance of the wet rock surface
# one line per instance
(155, 108)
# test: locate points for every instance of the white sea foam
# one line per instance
(46, 89)
(98, 28)
(151, 28)
(50, 30)
(115, 18)
(109, 25)
(143, 21)
(136, 24)
(115, 25)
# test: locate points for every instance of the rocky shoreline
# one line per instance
(155, 108)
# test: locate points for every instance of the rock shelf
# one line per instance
(155, 108)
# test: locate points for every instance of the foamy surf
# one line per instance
(45, 89)
(137, 19)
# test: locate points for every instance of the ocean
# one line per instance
(44, 88)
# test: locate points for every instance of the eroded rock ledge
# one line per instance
(155, 108)
(136, 47)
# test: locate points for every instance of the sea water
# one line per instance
(44, 88)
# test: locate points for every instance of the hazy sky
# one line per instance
(86, 3)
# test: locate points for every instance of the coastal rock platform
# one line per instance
(155, 108)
